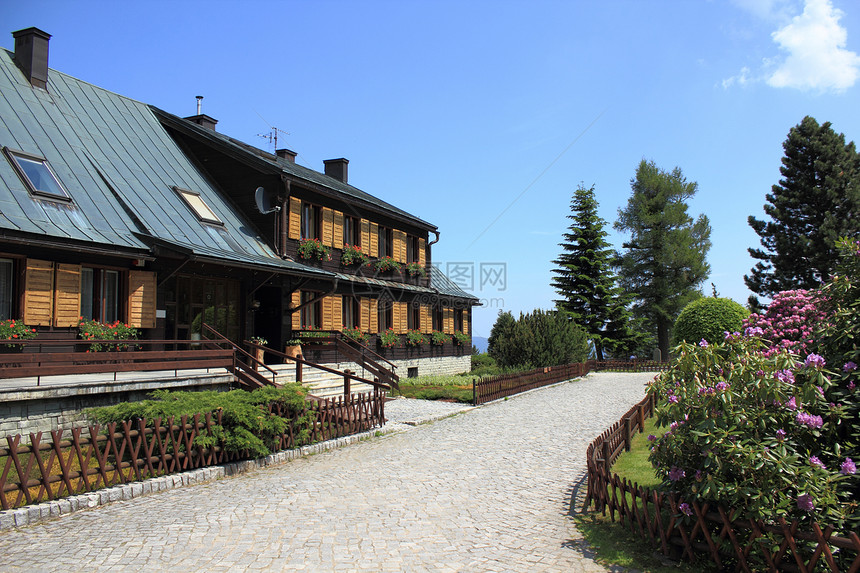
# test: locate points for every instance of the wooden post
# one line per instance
(607, 466)
(298, 371)
(474, 394)
(346, 382)
(641, 418)
(627, 432)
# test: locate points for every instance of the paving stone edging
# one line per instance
(34, 514)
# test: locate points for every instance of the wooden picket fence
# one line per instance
(711, 532)
(503, 385)
(85, 459)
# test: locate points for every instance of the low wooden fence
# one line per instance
(497, 387)
(86, 459)
(709, 531)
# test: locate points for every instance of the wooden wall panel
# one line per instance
(67, 295)
(38, 293)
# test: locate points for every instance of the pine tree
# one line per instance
(816, 202)
(584, 278)
(664, 262)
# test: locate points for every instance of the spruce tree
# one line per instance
(584, 278)
(816, 202)
(664, 261)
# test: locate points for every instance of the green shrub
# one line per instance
(709, 319)
(246, 423)
(482, 360)
(538, 339)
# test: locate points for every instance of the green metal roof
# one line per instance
(119, 165)
(293, 169)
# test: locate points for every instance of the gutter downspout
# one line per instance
(284, 218)
(434, 241)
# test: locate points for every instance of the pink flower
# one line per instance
(676, 473)
(849, 367)
(804, 502)
(815, 361)
(848, 467)
(815, 462)
(685, 509)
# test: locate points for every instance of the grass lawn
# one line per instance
(451, 388)
(614, 543)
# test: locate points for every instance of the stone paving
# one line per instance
(487, 490)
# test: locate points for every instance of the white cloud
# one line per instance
(817, 58)
(742, 79)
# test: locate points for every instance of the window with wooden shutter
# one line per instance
(426, 323)
(466, 314)
(38, 293)
(422, 252)
(373, 320)
(336, 312)
(141, 299)
(295, 226)
(296, 301)
(448, 315)
(374, 240)
(399, 246)
(400, 320)
(337, 232)
(327, 227)
(327, 318)
(67, 295)
(365, 236)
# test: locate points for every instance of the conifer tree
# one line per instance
(664, 261)
(816, 202)
(584, 278)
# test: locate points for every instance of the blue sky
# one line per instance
(483, 117)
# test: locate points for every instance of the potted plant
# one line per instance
(461, 339)
(415, 270)
(438, 338)
(352, 255)
(313, 250)
(293, 348)
(12, 329)
(94, 330)
(415, 338)
(389, 338)
(258, 352)
(387, 265)
(356, 334)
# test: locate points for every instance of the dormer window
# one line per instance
(37, 175)
(196, 203)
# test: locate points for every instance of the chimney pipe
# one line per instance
(31, 55)
(337, 168)
(287, 154)
(199, 104)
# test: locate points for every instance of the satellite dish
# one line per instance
(264, 202)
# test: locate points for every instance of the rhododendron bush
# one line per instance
(767, 421)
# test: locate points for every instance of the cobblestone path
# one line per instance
(487, 490)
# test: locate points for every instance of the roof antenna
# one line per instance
(199, 104)
(272, 136)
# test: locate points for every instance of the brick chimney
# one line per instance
(287, 154)
(31, 55)
(203, 120)
(336, 168)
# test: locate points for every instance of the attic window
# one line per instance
(37, 175)
(199, 206)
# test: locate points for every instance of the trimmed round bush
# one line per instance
(709, 319)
